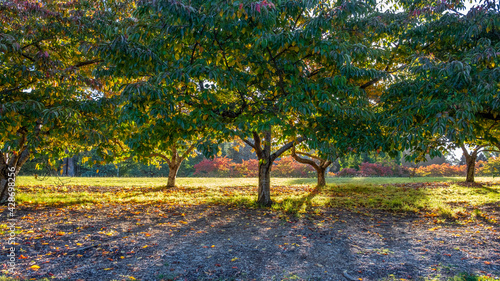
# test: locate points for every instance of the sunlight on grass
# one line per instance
(290, 195)
(218, 182)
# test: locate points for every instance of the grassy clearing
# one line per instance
(446, 199)
(221, 182)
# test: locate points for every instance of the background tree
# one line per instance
(448, 94)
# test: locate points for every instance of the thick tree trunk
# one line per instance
(470, 160)
(7, 179)
(172, 174)
(266, 159)
(69, 167)
(264, 189)
(471, 168)
(4, 186)
(321, 176)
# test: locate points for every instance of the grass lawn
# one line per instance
(444, 197)
(221, 182)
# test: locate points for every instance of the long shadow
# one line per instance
(294, 206)
(279, 249)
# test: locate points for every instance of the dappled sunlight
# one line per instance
(447, 198)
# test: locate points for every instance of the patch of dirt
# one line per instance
(171, 242)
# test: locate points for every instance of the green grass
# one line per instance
(219, 182)
(290, 195)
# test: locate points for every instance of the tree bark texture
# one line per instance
(12, 162)
(174, 163)
(172, 174)
(266, 158)
(470, 160)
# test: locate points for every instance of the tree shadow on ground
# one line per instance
(301, 204)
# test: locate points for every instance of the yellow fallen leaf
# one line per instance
(35, 267)
(109, 268)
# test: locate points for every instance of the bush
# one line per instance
(218, 167)
(401, 171)
(287, 167)
(441, 170)
(347, 172)
(374, 170)
(490, 168)
(246, 169)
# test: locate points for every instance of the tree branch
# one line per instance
(84, 63)
(161, 156)
(248, 142)
(186, 153)
(257, 145)
(304, 160)
(286, 147)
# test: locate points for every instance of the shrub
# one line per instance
(401, 171)
(490, 168)
(347, 172)
(218, 167)
(374, 170)
(288, 167)
(246, 169)
(441, 170)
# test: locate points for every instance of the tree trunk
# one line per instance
(69, 167)
(321, 176)
(264, 190)
(172, 174)
(266, 159)
(471, 168)
(470, 160)
(7, 179)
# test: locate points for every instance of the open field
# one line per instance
(219, 182)
(290, 194)
(211, 229)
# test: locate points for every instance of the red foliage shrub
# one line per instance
(401, 171)
(246, 169)
(218, 167)
(347, 172)
(374, 170)
(287, 167)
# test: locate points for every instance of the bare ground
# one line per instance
(167, 242)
